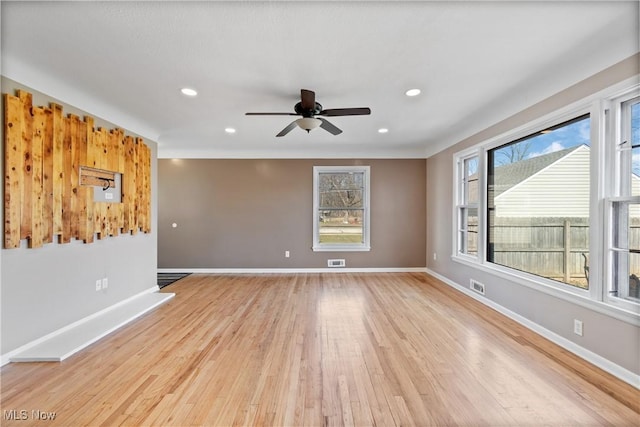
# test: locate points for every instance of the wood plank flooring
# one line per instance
(318, 349)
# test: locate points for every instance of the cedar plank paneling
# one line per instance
(37, 231)
(83, 202)
(146, 192)
(128, 183)
(88, 225)
(66, 187)
(58, 167)
(121, 168)
(74, 176)
(44, 196)
(13, 167)
(100, 210)
(47, 177)
(27, 136)
(138, 179)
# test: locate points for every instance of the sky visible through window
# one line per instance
(635, 137)
(568, 136)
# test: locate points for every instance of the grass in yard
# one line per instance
(341, 238)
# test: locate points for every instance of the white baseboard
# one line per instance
(291, 270)
(6, 358)
(595, 359)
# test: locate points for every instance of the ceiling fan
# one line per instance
(308, 108)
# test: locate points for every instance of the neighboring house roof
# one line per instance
(507, 176)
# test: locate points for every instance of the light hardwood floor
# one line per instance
(319, 349)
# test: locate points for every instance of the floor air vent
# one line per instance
(336, 263)
(477, 286)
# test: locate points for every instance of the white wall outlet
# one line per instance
(577, 327)
(105, 283)
(435, 256)
(287, 254)
(98, 285)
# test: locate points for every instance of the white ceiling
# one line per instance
(475, 62)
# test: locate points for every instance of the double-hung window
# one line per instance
(341, 219)
(624, 237)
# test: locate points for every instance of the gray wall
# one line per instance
(45, 289)
(247, 213)
(610, 338)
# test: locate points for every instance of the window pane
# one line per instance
(635, 124)
(626, 250)
(538, 203)
(633, 290)
(341, 190)
(471, 180)
(341, 226)
(635, 151)
(626, 275)
(469, 231)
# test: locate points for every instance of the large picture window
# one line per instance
(538, 203)
(341, 208)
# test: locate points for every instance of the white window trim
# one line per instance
(596, 298)
(332, 247)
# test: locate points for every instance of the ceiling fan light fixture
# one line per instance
(308, 123)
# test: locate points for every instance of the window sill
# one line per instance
(576, 296)
(338, 248)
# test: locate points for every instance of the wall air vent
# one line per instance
(476, 286)
(336, 262)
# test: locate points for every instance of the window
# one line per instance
(538, 203)
(555, 204)
(341, 208)
(467, 206)
(624, 246)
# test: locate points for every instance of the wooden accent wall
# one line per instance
(43, 197)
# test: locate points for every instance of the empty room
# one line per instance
(310, 213)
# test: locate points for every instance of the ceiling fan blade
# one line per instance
(307, 99)
(288, 129)
(334, 112)
(329, 127)
(270, 114)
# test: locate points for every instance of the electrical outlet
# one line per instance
(435, 256)
(105, 283)
(577, 327)
(98, 285)
(286, 254)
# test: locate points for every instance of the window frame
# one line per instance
(366, 227)
(535, 130)
(602, 184)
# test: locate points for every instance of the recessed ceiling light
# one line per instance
(413, 92)
(383, 130)
(188, 91)
(230, 130)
